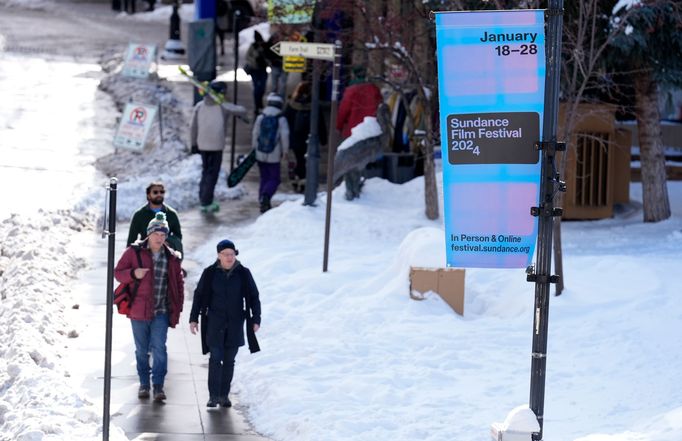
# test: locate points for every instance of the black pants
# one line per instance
(210, 169)
(221, 370)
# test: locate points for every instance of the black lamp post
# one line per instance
(174, 48)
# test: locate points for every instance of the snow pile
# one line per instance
(521, 419)
(368, 128)
(169, 162)
(37, 400)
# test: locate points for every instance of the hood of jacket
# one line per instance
(271, 110)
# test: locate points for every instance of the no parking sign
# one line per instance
(134, 126)
(139, 59)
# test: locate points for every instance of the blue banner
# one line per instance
(491, 80)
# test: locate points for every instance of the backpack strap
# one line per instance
(136, 284)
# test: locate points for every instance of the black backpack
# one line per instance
(267, 138)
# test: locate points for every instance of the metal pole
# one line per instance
(174, 29)
(235, 84)
(312, 164)
(546, 212)
(160, 124)
(111, 233)
(333, 140)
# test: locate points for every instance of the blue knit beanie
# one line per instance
(225, 243)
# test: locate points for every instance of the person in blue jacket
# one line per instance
(225, 297)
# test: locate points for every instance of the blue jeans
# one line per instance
(150, 337)
(221, 370)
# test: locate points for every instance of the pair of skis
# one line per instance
(245, 165)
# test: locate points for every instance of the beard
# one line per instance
(158, 200)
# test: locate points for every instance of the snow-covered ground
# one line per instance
(350, 355)
(345, 354)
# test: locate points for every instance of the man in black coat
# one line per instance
(225, 297)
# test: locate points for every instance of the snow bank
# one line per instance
(169, 161)
(349, 355)
(37, 400)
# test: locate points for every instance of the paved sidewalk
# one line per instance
(86, 31)
(184, 415)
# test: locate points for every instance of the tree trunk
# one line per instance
(430, 188)
(422, 48)
(654, 188)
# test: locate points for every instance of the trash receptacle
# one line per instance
(374, 169)
(399, 167)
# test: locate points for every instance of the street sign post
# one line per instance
(319, 51)
(327, 52)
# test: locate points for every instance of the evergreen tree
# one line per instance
(650, 50)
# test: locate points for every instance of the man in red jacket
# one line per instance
(360, 99)
(154, 269)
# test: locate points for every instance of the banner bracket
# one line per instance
(538, 278)
(550, 146)
(543, 211)
(554, 12)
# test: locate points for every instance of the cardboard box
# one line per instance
(447, 282)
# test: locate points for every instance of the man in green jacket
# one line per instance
(142, 217)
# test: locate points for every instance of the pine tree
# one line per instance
(650, 49)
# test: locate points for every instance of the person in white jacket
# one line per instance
(207, 133)
(270, 139)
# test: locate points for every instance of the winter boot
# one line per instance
(224, 402)
(143, 391)
(264, 203)
(212, 402)
(159, 394)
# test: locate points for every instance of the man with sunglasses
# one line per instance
(142, 217)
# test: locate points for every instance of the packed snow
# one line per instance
(368, 128)
(346, 354)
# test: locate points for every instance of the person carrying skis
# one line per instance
(207, 135)
(270, 139)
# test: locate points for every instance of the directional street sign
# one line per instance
(320, 51)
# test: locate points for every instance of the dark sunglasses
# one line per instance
(158, 192)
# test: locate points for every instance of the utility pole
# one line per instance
(312, 165)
